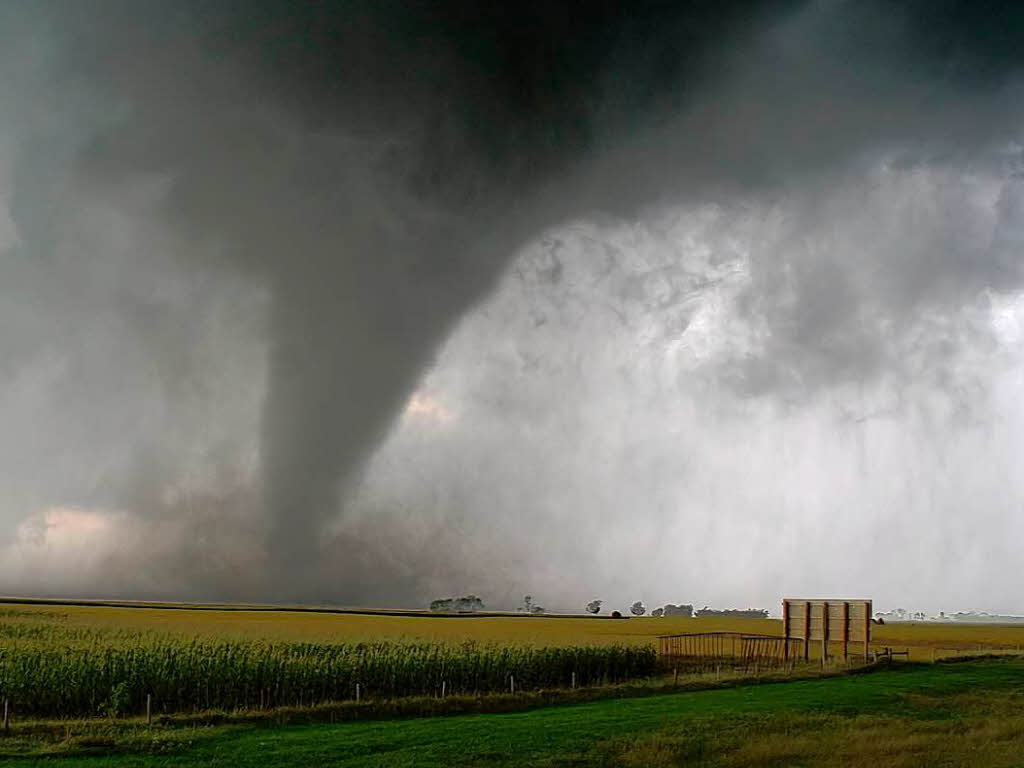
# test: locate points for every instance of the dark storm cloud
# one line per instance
(365, 171)
(364, 161)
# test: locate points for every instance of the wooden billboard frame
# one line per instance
(807, 612)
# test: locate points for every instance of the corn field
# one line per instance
(47, 671)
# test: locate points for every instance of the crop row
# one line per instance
(81, 679)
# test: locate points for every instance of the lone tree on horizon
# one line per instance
(594, 606)
(637, 608)
(529, 606)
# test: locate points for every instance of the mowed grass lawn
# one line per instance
(955, 714)
(512, 630)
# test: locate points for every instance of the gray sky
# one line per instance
(373, 303)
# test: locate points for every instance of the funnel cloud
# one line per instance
(373, 302)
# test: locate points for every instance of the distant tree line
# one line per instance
(467, 604)
(674, 610)
(472, 604)
(684, 609)
(749, 613)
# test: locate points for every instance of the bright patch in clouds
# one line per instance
(426, 408)
(59, 526)
(60, 544)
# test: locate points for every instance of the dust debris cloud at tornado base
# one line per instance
(371, 303)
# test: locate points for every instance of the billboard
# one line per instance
(828, 622)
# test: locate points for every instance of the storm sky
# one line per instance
(371, 303)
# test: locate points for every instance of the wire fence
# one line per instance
(709, 650)
(702, 649)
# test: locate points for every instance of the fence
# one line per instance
(708, 648)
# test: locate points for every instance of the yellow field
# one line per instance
(921, 639)
(321, 627)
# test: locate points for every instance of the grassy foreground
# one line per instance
(968, 713)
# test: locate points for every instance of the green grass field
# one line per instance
(952, 714)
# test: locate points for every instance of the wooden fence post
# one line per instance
(846, 631)
(574, 680)
(824, 633)
(7, 722)
(512, 683)
(149, 709)
(785, 630)
(357, 693)
(807, 631)
(867, 628)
